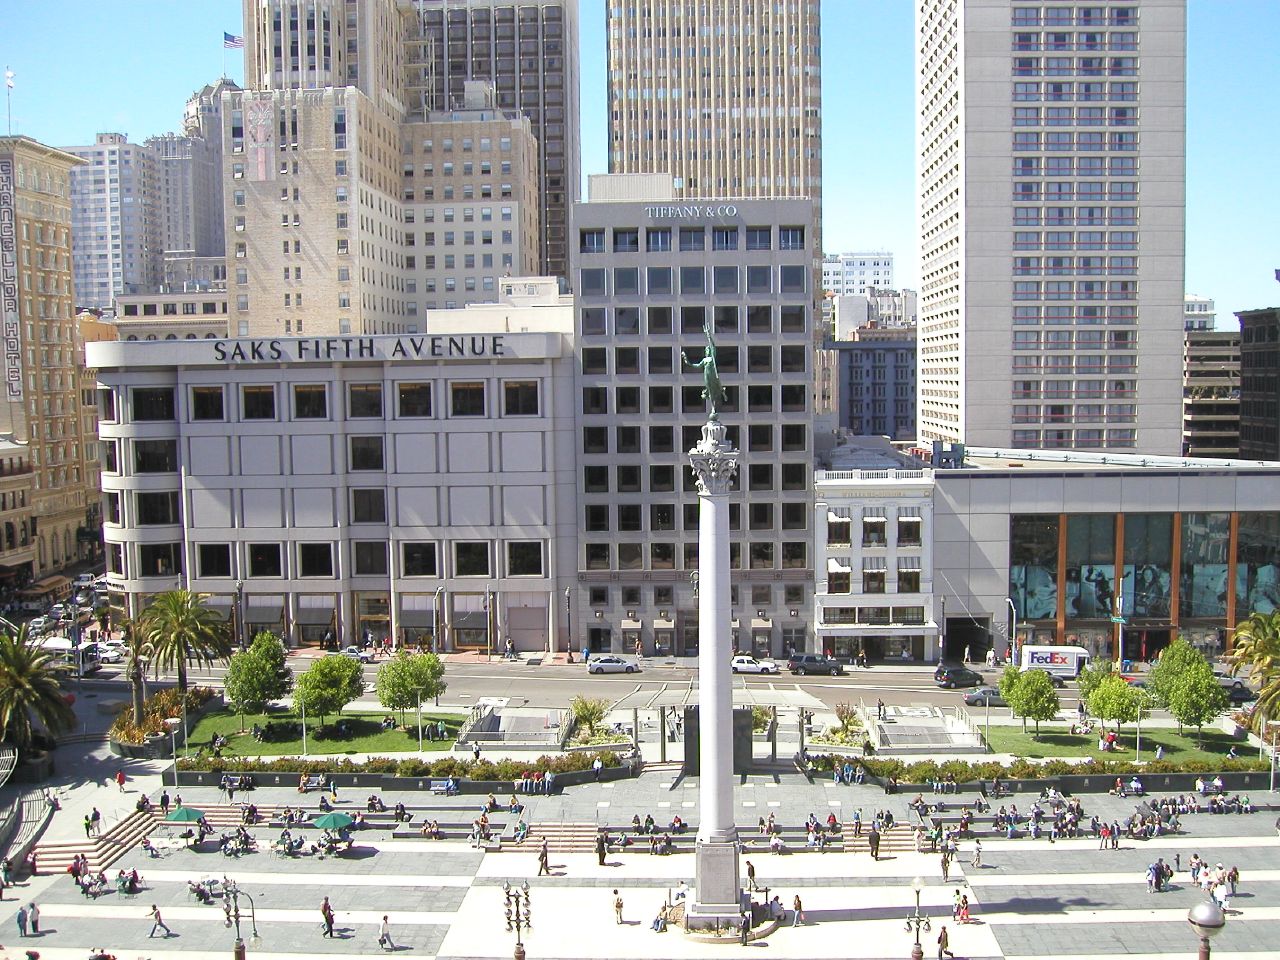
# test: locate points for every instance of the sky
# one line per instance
(128, 66)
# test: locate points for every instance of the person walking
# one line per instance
(964, 908)
(22, 921)
(96, 819)
(157, 923)
(873, 841)
(617, 906)
(326, 918)
(33, 917)
(955, 904)
(88, 826)
(384, 934)
(797, 915)
(601, 848)
(944, 943)
(544, 865)
(1233, 877)
(946, 866)
(164, 803)
(120, 780)
(751, 877)
(977, 853)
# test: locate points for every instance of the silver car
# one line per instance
(610, 663)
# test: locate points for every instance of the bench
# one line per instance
(308, 784)
(442, 787)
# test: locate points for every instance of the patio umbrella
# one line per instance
(333, 821)
(185, 815)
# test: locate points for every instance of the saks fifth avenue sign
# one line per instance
(692, 211)
(296, 349)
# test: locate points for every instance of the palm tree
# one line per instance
(178, 627)
(30, 692)
(138, 654)
(1257, 650)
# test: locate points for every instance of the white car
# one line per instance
(355, 653)
(745, 664)
(609, 663)
(110, 652)
(39, 624)
(83, 581)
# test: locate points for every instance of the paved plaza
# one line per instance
(1031, 898)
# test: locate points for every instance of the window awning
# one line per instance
(873, 515)
(872, 564)
(909, 513)
(220, 607)
(315, 616)
(417, 618)
(631, 624)
(908, 563)
(834, 517)
(834, 565)
(476, 620)
(762, 624)
(661, 624)
(257, 610)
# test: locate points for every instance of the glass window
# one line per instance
(659, 320)
(1033, 566)
(593, 282)
(366, 453)
(157, 508)
(657, 239)
(207, 404)
(520, 398)
(724, 280)
(591, 241)
(310, 401)
(159, 559)
(419, 559)
(466, 399)
(155, 456)
(626, 281)
(1148, 559)
(258, 402)
(106, 404)
(1206, 542)
(659, 281)
(1258, 564)
(264, 560)
(364, 400)
(724, 238)
(471, 558)
(414, 399)
(593, 321)
(693, 281)
(369, 506)
(369, 558)
(793, 279)
(626, 241)
(692, 238)
(759, 238)
(524, 558)
(214, 559)
(759, 280)
(1091, 572)
(153, 403)
(791, 238)
(315, 560)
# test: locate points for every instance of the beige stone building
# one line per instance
(43, 410)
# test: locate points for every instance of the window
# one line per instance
(791, 238)
(364, 400)
(724, 238)
(419, 559)
(368, 506)
(626, 241)
(369, 558)
(659, 320)
(106, 405)
(593, 283)
(724, 279)
(793, 279)
(471, 559)
(258, 402)
(264, 560)
(591, 241)
(315, 560)
(595, 360)
(693, 281)
(310, 401)
(110, 456)
(657, 239)
(159, 559)
(214, 559)
(155, 456)
(692, 238)
(157, 509)
(792, 319)
(626, 281)
(466, 399)
(367, 454)
(524, 558)
(658, 281)
(414, 399)
(206, 403)
(593, 323)
(520, 398)
(759, 238)
(153, 403)
(759, 281)
(595, 399)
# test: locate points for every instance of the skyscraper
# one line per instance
(1051, 145)
(725, 97)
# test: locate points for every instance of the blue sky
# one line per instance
(128, 65)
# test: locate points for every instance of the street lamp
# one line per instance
(568, 620)
(517, 911)
(917, 920)
(240, 614)
(1013, 630)
(1207, 920)
(418, 691)
(303, 705)
(435, 619)
(232, 895)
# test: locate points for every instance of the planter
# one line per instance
(34, 769)
(596, 747)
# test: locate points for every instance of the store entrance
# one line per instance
(967, 639)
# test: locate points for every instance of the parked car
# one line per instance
(355, 653)
(950, 677)
(745, 664)
(985, 697)
(38, 625)
(60, 611)
(110, 652)
(83, 581)
(610, 663)
(807, 663)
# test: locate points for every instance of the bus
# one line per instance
(83, 660)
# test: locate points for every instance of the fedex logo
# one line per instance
(1047, 659)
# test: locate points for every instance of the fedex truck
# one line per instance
(1065, 662)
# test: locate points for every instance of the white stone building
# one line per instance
(849, 274)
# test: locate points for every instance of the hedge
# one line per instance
(926, 771)
(405, 767)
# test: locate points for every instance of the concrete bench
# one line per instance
(442, 787)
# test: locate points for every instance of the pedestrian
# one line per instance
(751, 876)
(384, 934)
(797, 916)
(1233, 877)
(596, 766)
(326, 918)
(964, 909)
(22, 921)
(544, 865)
(33, 917)
(857, 823)
(880, 713)
(617, 906)
(944, 943)
(333, 790)
(88, 826)
(120, 780)
(475, 752)
(955, 904)
(601, 848)
(96, 819)
(946, 866)
(157, 923)
(164, 803)
(873, 841)
(977, 853)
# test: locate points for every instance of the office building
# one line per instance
(649, 271)
(1211, 392)
(529, 53)
(1051, 144)
(1260, 384)
(117, 220)
(857, 273)
(43, 354)
(1198, 313)
(876, 370)
(727, 98)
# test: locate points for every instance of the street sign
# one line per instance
(1119, 620)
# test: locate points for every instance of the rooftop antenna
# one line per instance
(8, 96)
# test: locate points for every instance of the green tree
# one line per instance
(1093, 675)
(589, 712)
(407, 679)
(251, 683)
(1113, 699)
(1037, 699)
(1176, 661)
(1256, 651)
(180, 628)
(1011, 692)
(30, 693)
(271, 648)
(1196, 697)
(329, 684)
(138, 654)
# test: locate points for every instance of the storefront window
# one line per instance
(1033, 566)
(1258, 564)
(1206, 540)
(1148, 560)
(1091, 571)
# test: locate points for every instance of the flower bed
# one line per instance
(488, 770)
(925, 771)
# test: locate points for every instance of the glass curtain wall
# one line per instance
(1257, 564)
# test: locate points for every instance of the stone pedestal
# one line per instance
(719, 892)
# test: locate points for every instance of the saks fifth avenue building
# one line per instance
(332, 488)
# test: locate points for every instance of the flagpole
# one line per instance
(8, 96)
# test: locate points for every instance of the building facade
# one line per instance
(845, 274)
(411, 487)
(877, 382)
(1198, 313)
(1260, 384)
(1211, 392)
(727, 98)
(1051, 146)
(648, 275)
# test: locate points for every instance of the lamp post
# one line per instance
(1013, 630)
(233, 893)
(917, 920)
(240, 614)
(418, 691)
(303, 705)
(1207, 920)
(568, 621)
(517, 912)
(435, 619)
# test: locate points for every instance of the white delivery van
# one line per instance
(1065, 662)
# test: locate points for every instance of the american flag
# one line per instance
(231, 42)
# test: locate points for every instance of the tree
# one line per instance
(30, 692)
(271, 648)
(1113, 699)
(1195, 698)
(407, 679)
(138, 653)
(1093, 675)
(589, 712)
(329, 685)
(179, 628)
(1176, 660)
(1037, 699)
(250, 683)
(1010, 684)
(1256, 650)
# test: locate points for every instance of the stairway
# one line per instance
(561, 838)
(900, 838)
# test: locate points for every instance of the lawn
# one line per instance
(364, 734)
(1056, 741)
